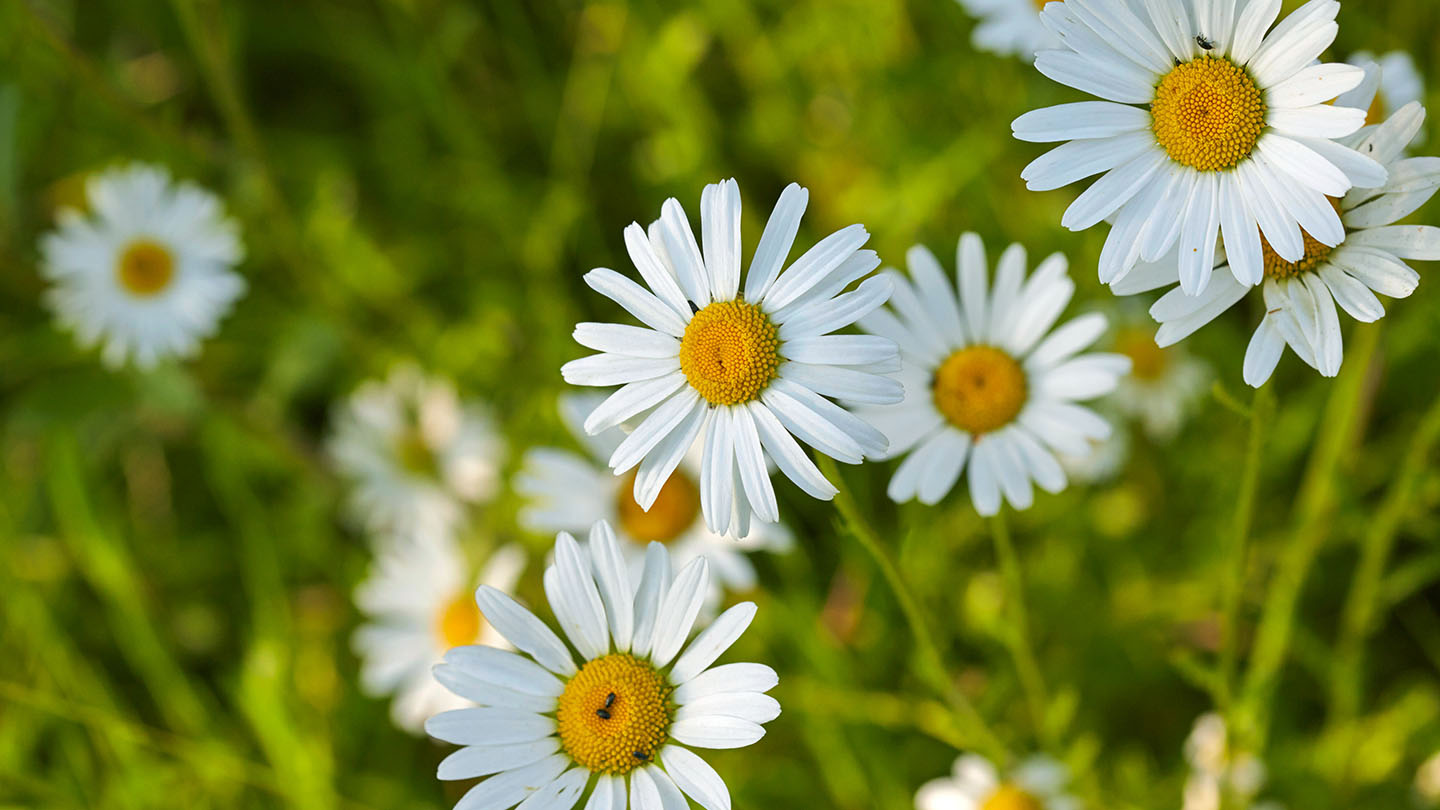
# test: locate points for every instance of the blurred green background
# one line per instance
(428, 180)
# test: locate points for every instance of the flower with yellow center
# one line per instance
(1009, 27)
(741, 373)
(1208, 131)
(1163, 385)
(988, 385)
(147, 272)
(1037, 783)
(417, 604)
(625, 718)
(1392, 81)
(1303, 294)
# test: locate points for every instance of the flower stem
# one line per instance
(1261, 410)
(1018, 637)
(932, 667)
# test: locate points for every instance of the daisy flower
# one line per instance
(1103, 460)
(1162, 386)
(1038, 783)
(1210, 129)
(567, 491)
(1301, 296)
(1219, 775)
(626, 716)
(147, 272)
(416, 453)
(1391, 82)
(984, 384)
(1009, 27)
(418, 602)
(745, 373)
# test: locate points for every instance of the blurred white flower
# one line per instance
(1037, 783)
(1391, 82)
(1219, 775)
(1427, 780)
(147, 272)
(1010, 27)
(1104, 459)
(1162, 386)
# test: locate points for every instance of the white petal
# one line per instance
(712, 642)
(654, 270)
(744, 677)
(716, 732)
(812, 267)
(561, 794)
(695, 777)
(752, 706)
(507, 789)
(720, 227)
(613, 582)
(576, 601)
(505, 668)
(776, 241)
(1314, 84)
(673, 414)
(483, 760)
(717, 476)
(632, 400)
(792, 460)
(520, 627)
(1077, 160)
(750, 465)
(1263, 353)
(1079, 121)
(636, 300)
(677, 611)
(489, 725)
(654, 583)
(684, 254)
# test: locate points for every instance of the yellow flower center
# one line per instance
(673, 511)
(614, 714)
(459, 622)
(730, 352)
(1009, 797)
(1376, 113)
(1315, 253)
(1208, 114)
(414, 453)
(980, 389)
(145, 268)
(1148, 362)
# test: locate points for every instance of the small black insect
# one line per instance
(642, 756)
(1202, 41)
(610, 700)
(693, 307)
(602, 714)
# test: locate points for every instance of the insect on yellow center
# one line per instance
(1009, 797)
(730, 352)
(1148, 362)
(614, 715)
(459, 622)
(1316, 252)
(1208, 114)
(980, 389)
(145, 268)
(673, 511)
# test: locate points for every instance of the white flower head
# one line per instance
(418, 602)
(1301, 297)
(1392, 81)
(1209, 129)
(1162, 386)
(626, 716)
(416, 453)
(147, 272)
(1010, 27)
(567, 491)
(987, 383)
(745, 373)
(1037, 783)
(1102, 462)
(1219, 775)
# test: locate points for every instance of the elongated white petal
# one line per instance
(695, 777)
(712, 642)
(520, 627)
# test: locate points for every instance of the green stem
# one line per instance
(932, 667)
(1017, 638)
(1261, 410)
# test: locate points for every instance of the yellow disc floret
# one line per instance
(1148, 362)
(673, 511)
(730, 352)
(145, 267)
(614, 714)
(1208, 114)
(1009, 797)
(980, 389)
(1316, 252)
(459, 622)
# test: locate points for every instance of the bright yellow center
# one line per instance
(460, 621)
(1009, 797)
(673, 511)
(730, 352)
(145, 268)
(1148, 362)
(1208, 114)
(1040, 4)
(1315, 253)
(980, 389)
(1376, 113)
(614, 714)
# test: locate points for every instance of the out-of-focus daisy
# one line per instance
(984, 382)
(1301, 296)
(567, 491)
(1162, 385)
(625, 717)
(745, 373)
(417, 453)
(1209, 129)
(1038, 783)
(1219, 775)
(418, 603)
(1101, 462)
(1427, 781)
(1010, 27)
(1391, 82)
(147, 271)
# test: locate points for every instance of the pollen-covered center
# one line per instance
(1148, 362)
(1009, 797)
(614, 714)
(674, 510)
(459, 621)
(1316, 252)
(730, 352)
(980, 389)
(145, 267)
(1208, 114)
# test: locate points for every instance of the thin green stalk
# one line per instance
(1261, 410)
(1018, 636)
(932, 667)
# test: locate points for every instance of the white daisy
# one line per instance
(1162, 386)
(1010, 27)
(147, 271)
(740, 371)
(1219, 775)
(1038, 783)
(980, 383)
(1102, 461)
(416, 453)
(418, 602)
(1391, 82)
(623, 717)
(1209, 129)
(1301, 297)
(568, 491)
